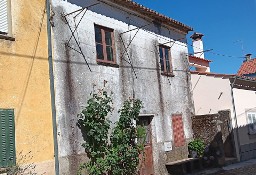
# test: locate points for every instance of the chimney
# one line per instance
(198, 45)
(247, 57)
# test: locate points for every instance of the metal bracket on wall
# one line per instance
(126, 47)
(76, 12)
(173, 42)
(81, 9)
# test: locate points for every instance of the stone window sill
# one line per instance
(167, 74)
(108, 64)
(6, 37)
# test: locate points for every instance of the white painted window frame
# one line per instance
(8, 32)
(251, 121)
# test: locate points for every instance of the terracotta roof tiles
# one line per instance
(202, 59)
(248, 67)
(152, 14)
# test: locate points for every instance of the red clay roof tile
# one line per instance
(192, 56)
(248, 67)
(153, 14)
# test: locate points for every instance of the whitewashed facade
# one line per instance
(135, 73)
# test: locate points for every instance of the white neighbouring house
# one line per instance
(132, 51)
(213, 92)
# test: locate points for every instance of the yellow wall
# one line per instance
(24, 80)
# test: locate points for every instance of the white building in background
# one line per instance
(213, 92)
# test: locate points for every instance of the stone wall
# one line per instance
(248, 151)
(214, 130)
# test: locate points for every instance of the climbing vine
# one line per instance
(115, 153)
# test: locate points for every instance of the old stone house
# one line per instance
(132, 51)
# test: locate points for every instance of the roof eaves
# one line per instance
(215, 75)
(245, 83)
(152, 14)
(192, 56)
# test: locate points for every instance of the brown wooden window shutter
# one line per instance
(178, 130)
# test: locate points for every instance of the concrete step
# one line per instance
(230, 160)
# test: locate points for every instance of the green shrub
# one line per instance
(198, 146)
(111, 152)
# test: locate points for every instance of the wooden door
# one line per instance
(146, 159)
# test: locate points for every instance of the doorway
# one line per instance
(146, 159)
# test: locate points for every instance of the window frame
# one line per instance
(105, 60)
(145, 121)
(8, 35)
(165, 72)
(251, 131)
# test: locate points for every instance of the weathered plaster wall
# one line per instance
(24, 83)
(211, 94)
(245, 101)
(209, 100)
(161, 96)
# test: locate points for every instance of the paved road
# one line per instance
(245, 170)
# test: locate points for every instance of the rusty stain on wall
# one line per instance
(161, 96)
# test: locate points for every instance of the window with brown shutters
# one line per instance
(165, 60)
(7, 138)
(3, 17)
(178, 130)
(104, 38)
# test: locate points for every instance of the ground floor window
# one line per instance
(251, 117)
(7, 138)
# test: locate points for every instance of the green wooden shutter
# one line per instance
(7, 138)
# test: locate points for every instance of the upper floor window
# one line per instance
(3, 17)
(251, 116)
(165, 60)
(104, 38)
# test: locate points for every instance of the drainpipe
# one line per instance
(54, 123)
(235, 117)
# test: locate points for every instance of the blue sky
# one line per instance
(228, 25)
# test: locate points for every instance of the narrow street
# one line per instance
(247, 170)
(243, 168)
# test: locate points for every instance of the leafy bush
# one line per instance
(198, 146)
(115, 153)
